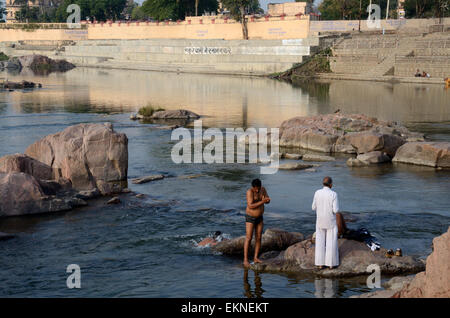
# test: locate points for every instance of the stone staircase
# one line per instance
(379, 55)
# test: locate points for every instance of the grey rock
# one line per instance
(147, 179)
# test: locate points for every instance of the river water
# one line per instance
(147, 247)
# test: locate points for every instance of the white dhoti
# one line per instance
(327, 251)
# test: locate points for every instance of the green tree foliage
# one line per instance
(240, 8)
(100, 10)
(349, 9)
(138, 14)
(177, 9)
(427, 8)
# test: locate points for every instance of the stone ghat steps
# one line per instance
(376, 55)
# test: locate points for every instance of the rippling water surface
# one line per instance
(147, 247)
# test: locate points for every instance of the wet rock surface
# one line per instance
(272, 240)
(355, 257)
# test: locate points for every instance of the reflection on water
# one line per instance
(258, 291)
(226, 100)
(142, 247)
(325, 288)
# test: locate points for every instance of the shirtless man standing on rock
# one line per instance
(256, 198)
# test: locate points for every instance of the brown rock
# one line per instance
(21, 194)
(25, 164)
(295, 166)
(432, 154)
(147, 179)
(354, 256)
(292, 156)
(434, 282)
(91, 156)
(272, 240)
(369, 142)
(343, 133)
(374, 157)
(175, 114)
(311, 157)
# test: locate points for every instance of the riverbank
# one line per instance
(357, 77)
(142, 247)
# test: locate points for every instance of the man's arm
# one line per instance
(335, 204)
(265, 196)
(250, 200)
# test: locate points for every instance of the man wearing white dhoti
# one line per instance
(326, 205)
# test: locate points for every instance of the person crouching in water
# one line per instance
(256, 198)
(326, 205)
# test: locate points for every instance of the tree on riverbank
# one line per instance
(177, 9)
(100, 10)
(426, 8)
(239, 9)
(349, 9)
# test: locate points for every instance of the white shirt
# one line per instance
(326, 205)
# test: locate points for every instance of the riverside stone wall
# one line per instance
(252, 57)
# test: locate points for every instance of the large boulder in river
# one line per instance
(371, 141)
(39, 63)
(90, 156)
(434, 282)
(374, 157)
(175, 114)
(344, 133)
(354, 257)
(21, 194)
(272, 240)
(26, 164)
(432, 154)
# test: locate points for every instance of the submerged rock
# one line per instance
(432, 154)
(19, 85)
(311, 157)
(292, 156)
(115, 200)
(272, 240)
(91, 156)
(148, 179)
(175, 114)
(354, 256)
(295, 166)
(434, 282)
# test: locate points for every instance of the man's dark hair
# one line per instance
(218, 233)
(327, 181)
(256, 183)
